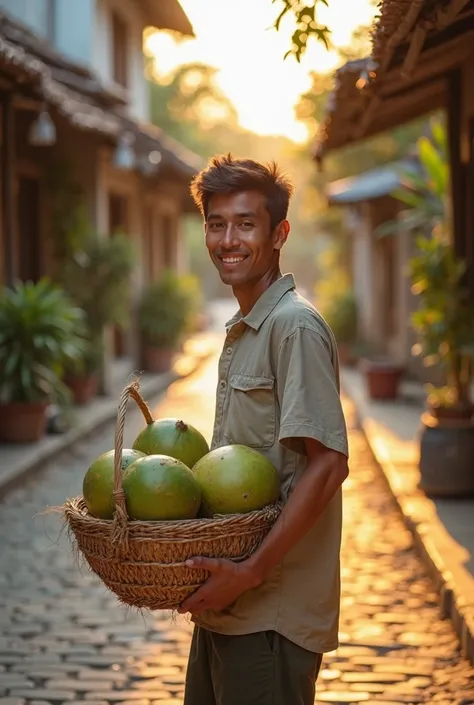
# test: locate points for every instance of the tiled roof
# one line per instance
(403, 29)
(78, 95)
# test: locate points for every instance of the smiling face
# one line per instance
(240, 240)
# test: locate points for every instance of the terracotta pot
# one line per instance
(83, 387)
(383, 379)
(158, 360)
(22, 422)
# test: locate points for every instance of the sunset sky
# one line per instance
(237, 38)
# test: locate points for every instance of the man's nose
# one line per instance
(229, 237)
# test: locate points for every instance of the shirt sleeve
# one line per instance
(308, 393)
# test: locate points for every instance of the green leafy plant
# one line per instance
(40, 331)
(341, 314)
(444, 320)
(69, 223)
(97, 277)
(424, 190)
(168, 309)
(307, 25)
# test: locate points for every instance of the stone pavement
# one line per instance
(443, 529)
(17, 460)
(64, 639)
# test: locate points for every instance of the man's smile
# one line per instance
(232, 260)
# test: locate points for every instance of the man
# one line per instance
(262, 625)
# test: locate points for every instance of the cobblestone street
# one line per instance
(63, 638)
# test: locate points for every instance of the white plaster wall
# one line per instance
(362, 274)
(102, 52)
(74, 29)
(33, 13)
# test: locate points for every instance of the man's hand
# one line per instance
(227, 582)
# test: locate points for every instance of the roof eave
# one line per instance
(167, 14)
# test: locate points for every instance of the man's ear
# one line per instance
(280, 234)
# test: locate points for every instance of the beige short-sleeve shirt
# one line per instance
(278, 384)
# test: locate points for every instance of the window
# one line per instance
(51, 20)
(118, 214)
(119, 50)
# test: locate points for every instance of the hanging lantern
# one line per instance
(42, 132)
(124, 156)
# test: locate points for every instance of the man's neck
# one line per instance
(248, 295)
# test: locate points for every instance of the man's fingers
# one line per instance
(195, 602)
(210, 564)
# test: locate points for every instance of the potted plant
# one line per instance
(444, 323)
(40, 330)
(82, 376)
(341, 315)
(97, 277)
(445, 326)
(383, 377)
(166, 312)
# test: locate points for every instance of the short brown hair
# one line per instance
(226, 174)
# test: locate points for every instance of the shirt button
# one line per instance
(223, 384)
(229, 351)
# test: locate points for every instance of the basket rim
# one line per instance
(75, 510)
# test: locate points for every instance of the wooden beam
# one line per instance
(8, 194)
(457, 174)
(367, 116)
(401, 32)
(469, 210)
(414, 51)
(434, 64)
(447, 15)
(27, 104)
(400, 108)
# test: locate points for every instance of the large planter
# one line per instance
(383, 379)
(22, 422)
(446, 457)
(83, 387)
(158, 360)
(460, 412)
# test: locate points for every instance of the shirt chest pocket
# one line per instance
(250, 418)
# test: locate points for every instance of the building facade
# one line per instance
(74, 96)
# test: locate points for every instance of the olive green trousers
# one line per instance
(254, 669)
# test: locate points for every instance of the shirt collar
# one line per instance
(265, 304)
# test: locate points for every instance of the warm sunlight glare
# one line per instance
(237, 38)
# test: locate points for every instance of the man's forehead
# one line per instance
(241, 202)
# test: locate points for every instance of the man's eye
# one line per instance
(247, 224)
(214, 226)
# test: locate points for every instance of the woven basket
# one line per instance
(143, 562)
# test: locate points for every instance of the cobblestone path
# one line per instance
(63, 639)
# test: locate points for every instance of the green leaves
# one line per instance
(444, 320)
(97, 278)
(436, 167)
(168, 308)
(306, 25)
(425, 194)
(40, 331)
(341, 315)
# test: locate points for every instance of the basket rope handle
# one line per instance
(132, 390)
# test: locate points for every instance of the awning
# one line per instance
(371, 184)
